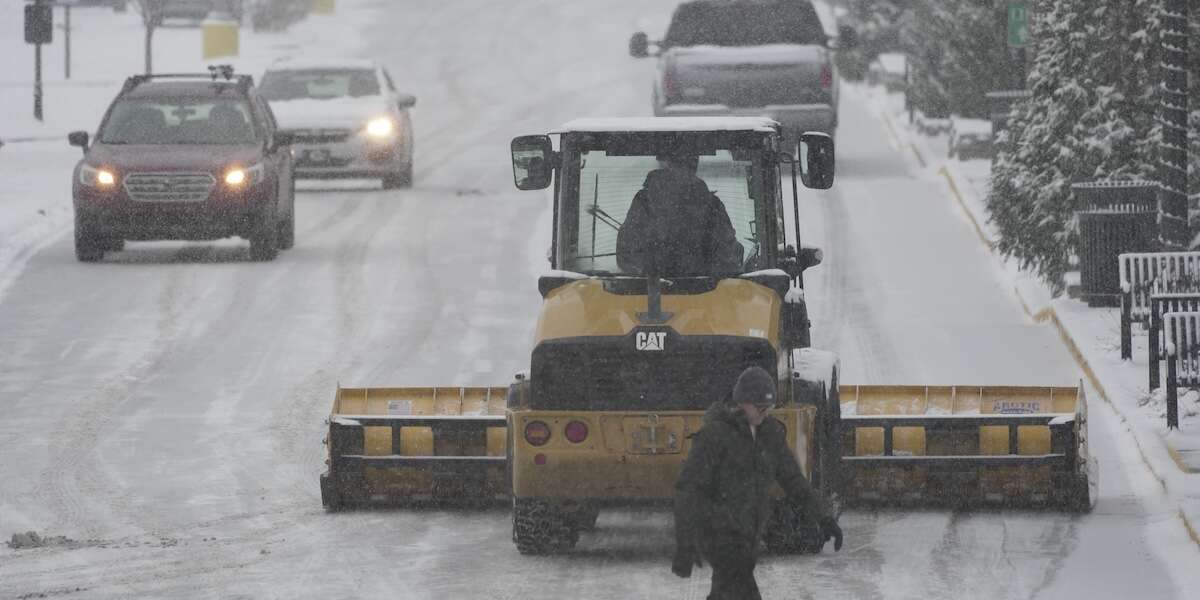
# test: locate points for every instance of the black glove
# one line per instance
(684, 559)
(830, 529)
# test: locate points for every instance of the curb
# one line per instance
(1050, 314)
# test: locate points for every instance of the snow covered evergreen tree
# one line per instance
(877, 24)
(1090, 117)
(959, 53)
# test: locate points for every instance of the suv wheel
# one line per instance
(287, 227)
(264, 241)
(402, 179)
(89, 245)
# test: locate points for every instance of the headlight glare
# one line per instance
(381, 127)
(93, 177)
(242, 176)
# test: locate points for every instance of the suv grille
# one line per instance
(321, 136)
(169, 187)
(595, 375)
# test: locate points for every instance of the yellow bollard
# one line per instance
(322, 7)
(220, 38)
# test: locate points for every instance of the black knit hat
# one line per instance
(754, 386)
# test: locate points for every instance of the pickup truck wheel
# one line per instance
(264, 241)
(89, 244)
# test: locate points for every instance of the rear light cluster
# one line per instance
(826, 76)
(538, 433)
(670, 81)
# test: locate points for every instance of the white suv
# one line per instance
(347, 118)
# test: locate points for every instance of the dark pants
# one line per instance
(733, 573)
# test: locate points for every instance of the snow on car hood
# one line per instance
(334, 112)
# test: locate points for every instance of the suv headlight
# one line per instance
(244, 176)
(381, 127)
(98, 178)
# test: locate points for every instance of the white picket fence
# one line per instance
(1182, 332)
(1146, 273)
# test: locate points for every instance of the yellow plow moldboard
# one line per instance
(966, 445)
(419, 443)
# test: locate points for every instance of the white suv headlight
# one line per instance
(381, 127)
(93, 177)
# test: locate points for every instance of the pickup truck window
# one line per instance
(745, 24)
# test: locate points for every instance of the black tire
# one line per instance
(287, 228)
(402, 179)
(790, 531)
(539, 529)
(114, 244)
(585, 519)
(89, 244)
(331, 497)
(264, 241)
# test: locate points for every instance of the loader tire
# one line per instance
(790, 531)
(585, 520)
(540, 529)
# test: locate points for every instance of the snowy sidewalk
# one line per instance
(1092, 335)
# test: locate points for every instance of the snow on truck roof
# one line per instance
(668, 124)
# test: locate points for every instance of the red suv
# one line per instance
(185, 157)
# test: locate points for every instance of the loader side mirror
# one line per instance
(533, 162)
(405, 101)
(78, 138)
(816, 160)
(639, 45)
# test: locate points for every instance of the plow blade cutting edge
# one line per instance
(966, 445)
(430, 443)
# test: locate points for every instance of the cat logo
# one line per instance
(651, 341)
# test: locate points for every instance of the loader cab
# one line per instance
(602, 164)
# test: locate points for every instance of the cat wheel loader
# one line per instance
(625, 361)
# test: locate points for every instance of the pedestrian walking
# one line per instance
(721, 502)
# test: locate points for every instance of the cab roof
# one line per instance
(668, 125)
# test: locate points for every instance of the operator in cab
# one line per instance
(676, 226)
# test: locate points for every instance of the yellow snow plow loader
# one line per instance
(635, 340)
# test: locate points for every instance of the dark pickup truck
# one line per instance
(767, 58)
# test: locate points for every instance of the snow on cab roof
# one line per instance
(305, 64)
(668, 124)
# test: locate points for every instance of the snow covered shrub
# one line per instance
(1090, 117)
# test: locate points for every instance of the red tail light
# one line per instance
(670, 81)
(537, 433)
(826, 76)
(576, 432)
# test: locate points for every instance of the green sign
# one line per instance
(1018, 24)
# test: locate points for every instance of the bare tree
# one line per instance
(152, 17)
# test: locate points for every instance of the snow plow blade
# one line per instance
(430, 444)
(966, 445)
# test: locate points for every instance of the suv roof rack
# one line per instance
(215, 72)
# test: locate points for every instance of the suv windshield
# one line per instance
(745, 24)
(179, 121)
(319, 84)
(629, 200)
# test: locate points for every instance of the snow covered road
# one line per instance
(164, 409)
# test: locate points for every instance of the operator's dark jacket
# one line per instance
(678, 222)
(721, 502)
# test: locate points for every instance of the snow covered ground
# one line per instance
(1172, 456)
(163, 410)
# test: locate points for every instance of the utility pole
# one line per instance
(1173, 152)
(39, 29)
(67, 41)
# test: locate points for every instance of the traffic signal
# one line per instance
(39, 23)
